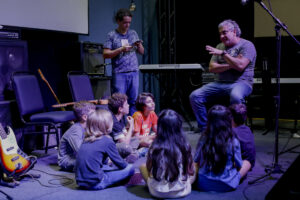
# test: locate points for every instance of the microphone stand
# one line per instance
(275, 168)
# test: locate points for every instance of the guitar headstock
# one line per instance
(42, 75)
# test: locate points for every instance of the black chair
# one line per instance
(32, 109)
(81, 87)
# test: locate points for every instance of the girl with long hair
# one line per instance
(169, 170)
(218, 154)
(92, 171)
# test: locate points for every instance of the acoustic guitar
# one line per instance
(13, 159)
(50, 88)
(96, 101)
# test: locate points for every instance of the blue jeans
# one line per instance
(113, 175)
(207, 185)
(127, 83)
(213, 91)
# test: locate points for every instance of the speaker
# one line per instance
(92, 58)
(13, 57)
(101, 86)
(288, 186)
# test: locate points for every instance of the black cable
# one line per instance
(6, 195)
(194, 84)
(53, 183)
(286, 144)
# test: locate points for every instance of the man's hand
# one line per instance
(126, 48)
(212, 50)
(138, 43)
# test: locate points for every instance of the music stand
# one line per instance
(275, 168)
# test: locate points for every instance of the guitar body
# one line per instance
(13, 160)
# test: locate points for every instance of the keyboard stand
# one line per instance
(168, 76)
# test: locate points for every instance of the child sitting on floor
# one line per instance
(243, 133)
(73, 137)
(145, 119)
(91, 169)
(218, 154)
(169, 171)
(123, 125)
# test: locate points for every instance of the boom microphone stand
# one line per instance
(275, 168)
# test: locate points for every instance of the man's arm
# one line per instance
(108, 53)
(215, 67)
(238, 63)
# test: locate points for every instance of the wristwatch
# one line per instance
(224, 52)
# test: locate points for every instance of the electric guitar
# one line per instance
(13, 159)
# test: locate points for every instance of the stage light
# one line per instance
(132, 6)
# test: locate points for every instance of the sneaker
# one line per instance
(296, 135)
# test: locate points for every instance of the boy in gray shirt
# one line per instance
(73, 137)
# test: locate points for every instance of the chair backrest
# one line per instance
(80, 85)
(28, 93)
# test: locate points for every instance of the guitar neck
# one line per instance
(2, 132)
(96, 101)
(50, 88)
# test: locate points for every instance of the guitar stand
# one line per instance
(10, 184)
(13, 182)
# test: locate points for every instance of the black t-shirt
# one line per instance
(246, 138)
(118, 128)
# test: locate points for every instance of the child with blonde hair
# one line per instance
(92, 171)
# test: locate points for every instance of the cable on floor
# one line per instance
(53, 183)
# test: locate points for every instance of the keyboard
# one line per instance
(170, 67)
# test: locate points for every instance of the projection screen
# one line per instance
(56, 15)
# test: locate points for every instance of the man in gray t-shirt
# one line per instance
(121, 47)
(233, 60)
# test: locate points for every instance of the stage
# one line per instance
(55, 184)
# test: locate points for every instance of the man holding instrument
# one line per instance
(73, 137)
